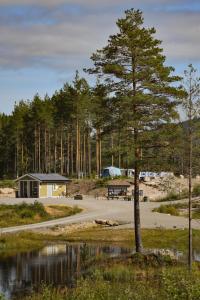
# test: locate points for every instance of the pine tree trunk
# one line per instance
(97, 152)
(89, 155)
(68, 153)
(190, 202)
(22, 156)
(49, 148)
(55, 153)
(100, 153)
(35, 150)
(17, 158)
(61, 150)
(45, 149)
(39, 151)
(112, 147)
(84, 155)
(72, 156)
(138, 240)
(81, 157)
(119, 152)
(190, 184)
(77, 150)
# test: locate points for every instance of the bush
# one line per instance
(122, 282)
(75, 209)
(7, 183)
(102, 182)
(26, 213)
(25, 210)
(196, 190)
(167, 209)
(38, 208)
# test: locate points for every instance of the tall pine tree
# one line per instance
(132, 65)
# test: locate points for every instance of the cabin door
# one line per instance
(23, 189)
(49, 190)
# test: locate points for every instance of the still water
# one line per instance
(57, 265)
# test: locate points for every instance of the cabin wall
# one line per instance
(43, 190)
(60, 190)
(57, 189)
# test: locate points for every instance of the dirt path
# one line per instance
(104, 209)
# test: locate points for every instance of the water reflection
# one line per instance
(58, 265)
(54, 265)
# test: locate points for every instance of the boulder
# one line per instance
(112, 223)
(107, 222)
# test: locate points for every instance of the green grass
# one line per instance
(7, 183)
(126, 279)
(11, 244)
(152, 238)
(174, 209)
(20, 214)
(196, 190)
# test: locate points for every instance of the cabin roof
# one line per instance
(52, 177)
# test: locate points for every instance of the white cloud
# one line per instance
(180, 34)
(68, 41)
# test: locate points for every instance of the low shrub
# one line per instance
(167, 209)
(102, 182)
(122, 282)
(196, 190)
(38, 208)
(26, 213)
(6, 183)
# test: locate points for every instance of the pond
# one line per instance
(57, 265)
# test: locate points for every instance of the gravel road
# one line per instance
(104, 209)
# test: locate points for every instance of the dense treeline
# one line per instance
(77, 132)
(71, 133)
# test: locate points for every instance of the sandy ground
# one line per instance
(7, 192)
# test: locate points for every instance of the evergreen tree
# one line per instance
(133, 66)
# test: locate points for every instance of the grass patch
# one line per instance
(11, 244)
(6, 183)
(152, 238)
(171, 209)
(196, 190)
(21, 214)
(175, 209)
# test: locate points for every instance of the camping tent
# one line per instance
(111, 172)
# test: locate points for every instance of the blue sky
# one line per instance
(43, 42)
